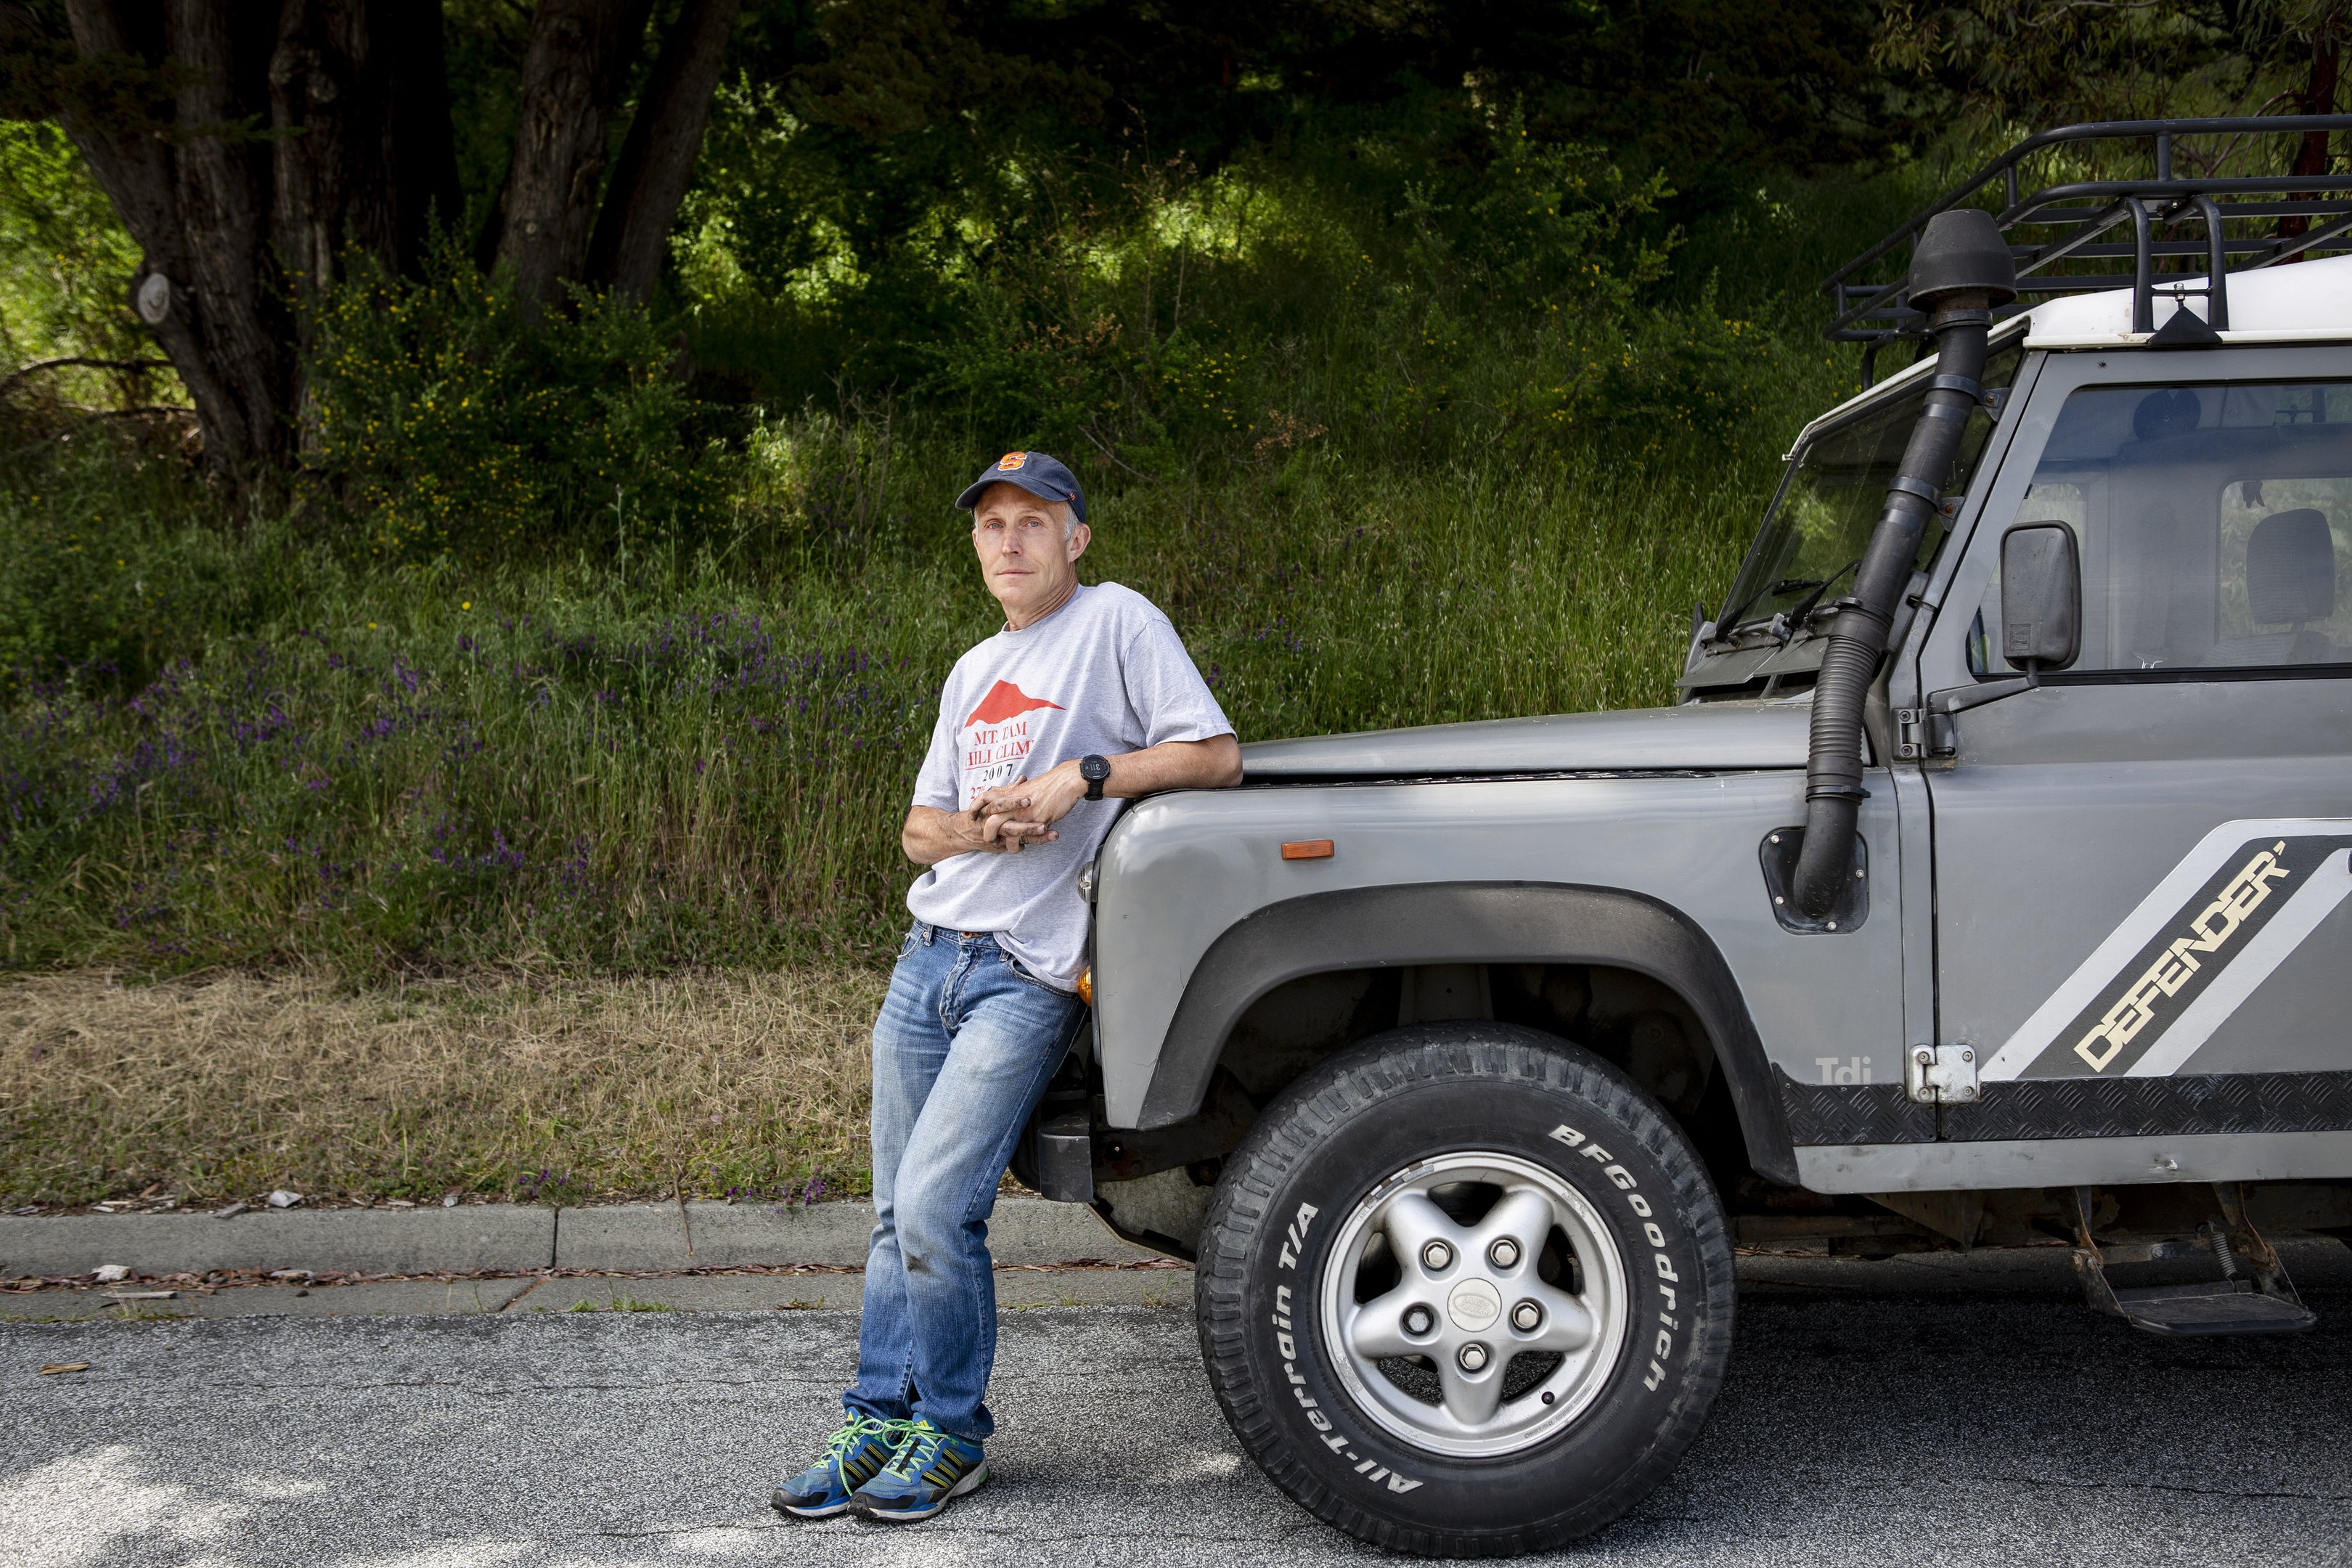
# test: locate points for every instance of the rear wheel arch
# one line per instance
(1487, 923)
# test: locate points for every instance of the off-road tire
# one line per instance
(1323, 1147)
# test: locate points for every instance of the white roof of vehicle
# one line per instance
(2304, 301)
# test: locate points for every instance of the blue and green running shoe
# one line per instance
(933, 1468)
(854, 1455)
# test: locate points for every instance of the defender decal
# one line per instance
(2205, 938)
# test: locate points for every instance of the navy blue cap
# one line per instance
(1041, 475)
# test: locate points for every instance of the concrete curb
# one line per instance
(714, 1235)
(515, 1238)
(1017, 1290)
(464, 1240)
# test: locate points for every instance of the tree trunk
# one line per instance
(572, 74)
(2318, 96)
(132, 164)
(276, 137)
(221, 190)
(248, 145)
(364, 155)
(656, 162)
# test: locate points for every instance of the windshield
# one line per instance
(1814, 536)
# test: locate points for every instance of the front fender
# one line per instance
(1467, 923)
(1658, 872)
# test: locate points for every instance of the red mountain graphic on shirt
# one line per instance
(1005, 701)
(993, 744)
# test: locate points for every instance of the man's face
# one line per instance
(1027, 560)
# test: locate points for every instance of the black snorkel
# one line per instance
(1961, 271)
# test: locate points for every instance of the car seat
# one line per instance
(2289, 581)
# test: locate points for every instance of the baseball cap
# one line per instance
(1041, 475)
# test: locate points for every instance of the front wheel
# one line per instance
(1465, 1289)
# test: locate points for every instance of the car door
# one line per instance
(2141, 867)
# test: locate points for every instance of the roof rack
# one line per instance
(2298, 214)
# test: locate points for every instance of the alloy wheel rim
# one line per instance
(1470, 1309)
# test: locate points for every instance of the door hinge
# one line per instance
(1910, 734)
(1942, 1075)
(1924, 732)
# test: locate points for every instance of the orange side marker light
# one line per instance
(1307, 850)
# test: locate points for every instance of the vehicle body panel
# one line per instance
(1502, 925)
(1721, 735)
(2151, 1159)
(2063, 811)
(1179, 870)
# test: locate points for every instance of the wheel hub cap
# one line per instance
(1473, 1306)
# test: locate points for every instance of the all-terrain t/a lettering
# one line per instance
(1296, 1236)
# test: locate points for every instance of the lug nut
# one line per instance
(1504, 1254)
(1473, 1358)
(1437, 1258)
(1418, 1320)
(1527, 1317)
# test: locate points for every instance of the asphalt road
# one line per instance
(1857, 1427)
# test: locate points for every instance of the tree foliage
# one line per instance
(2049, 61)
(255, 153)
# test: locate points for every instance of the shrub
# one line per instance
(447, 416)
(63, 257)
(115, 560)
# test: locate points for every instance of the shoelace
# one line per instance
(845, 1435)
(923, 1443)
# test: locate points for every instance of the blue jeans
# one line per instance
(962, 1051)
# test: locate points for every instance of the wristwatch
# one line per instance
(1093, 770)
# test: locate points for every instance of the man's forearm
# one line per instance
(931, 835)
(927, 837)
(1212, 764)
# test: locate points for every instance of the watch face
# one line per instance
(1096, 768)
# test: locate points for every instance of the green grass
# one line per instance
(1394, 439)
(620, 1304)
(702, 758)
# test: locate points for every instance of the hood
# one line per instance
(1709, 735)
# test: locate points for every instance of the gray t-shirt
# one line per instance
(1104, 674)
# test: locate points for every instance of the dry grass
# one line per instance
(553, 1088)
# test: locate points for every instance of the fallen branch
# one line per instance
(92, 416)
(77, 362)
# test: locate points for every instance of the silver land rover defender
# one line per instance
(1992, 882)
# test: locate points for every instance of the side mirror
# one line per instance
(2041, 596)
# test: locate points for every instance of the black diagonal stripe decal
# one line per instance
(2188, 954)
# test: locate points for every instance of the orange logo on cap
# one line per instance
(1011, 460)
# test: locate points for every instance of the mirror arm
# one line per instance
(1942, 705)
(1961, 698)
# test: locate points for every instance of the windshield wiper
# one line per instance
(1730, 621)
(1804, 607)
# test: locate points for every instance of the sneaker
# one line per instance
(854, 1455)
(930, 1470)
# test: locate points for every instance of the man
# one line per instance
(1086, 698)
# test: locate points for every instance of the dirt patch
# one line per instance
(561, 1089)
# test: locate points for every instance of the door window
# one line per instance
(2215, 524)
